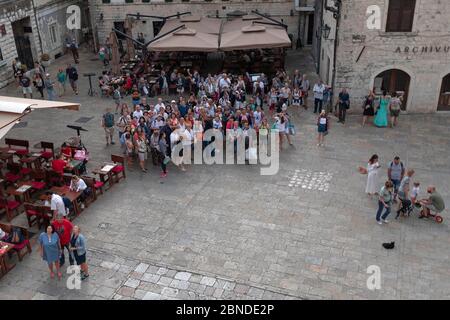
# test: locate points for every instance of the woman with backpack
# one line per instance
(50, 250)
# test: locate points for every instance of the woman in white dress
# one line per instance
(372, 186)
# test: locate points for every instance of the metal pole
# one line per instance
(336, 43)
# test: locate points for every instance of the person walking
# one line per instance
(74, 50)
(381, 119)
(108, 126)
(72, 74)
(61, 77)
(396, 172)
(50, 250)
(318, 90)
(39, 84)
(25, 83)
(368, 107)
(372, 175)
(385, 202)
(394, 109)
(50, 86)
(344, 105)
(78, 250)
(163, 147)
(305, 87)
(323, 125)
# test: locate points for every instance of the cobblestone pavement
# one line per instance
(308, 232)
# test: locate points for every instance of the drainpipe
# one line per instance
(320, 11)
(37, 27)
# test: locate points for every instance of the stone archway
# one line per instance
(393, 80)
(444, 95)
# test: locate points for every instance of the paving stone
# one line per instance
(110, 265)
(241, 289)
(105, 292)
(151, 296)
(141, 268)
(178, 284)
(148, 277)
(162, 271)
(256, 293)
(126, 291)
(195, 278)
(208, 281)
(218, 293)
(165, 281)
(169, 292)
(132, 283)
(184, 276)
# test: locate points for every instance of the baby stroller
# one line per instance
(406, 208)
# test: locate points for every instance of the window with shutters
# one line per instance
(400, 15)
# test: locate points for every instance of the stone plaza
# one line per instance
(226, 232)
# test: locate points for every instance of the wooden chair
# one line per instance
(33, 214)
(48, 151)
(25, 244)
(46, 216)
(24, 146)
(14, 173)
(10, 207)
(119, 171)
(96, 186)
(54, 178)
(90, 182)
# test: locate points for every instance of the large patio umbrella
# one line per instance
(241, 22)
(255, 37)
(14, 109)
(186, 40)
(206, 25)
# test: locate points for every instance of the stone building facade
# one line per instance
(29, 28)
(401, 46)
(297, 14)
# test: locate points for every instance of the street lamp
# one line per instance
(326, 31)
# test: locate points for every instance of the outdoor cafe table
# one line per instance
(105, 171)
(71, 195)
(73, 166)
(30, 160)
(4, 249)
(23, 190)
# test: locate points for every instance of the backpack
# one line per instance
(109, 120)
(25, 81)
(392, 163)
(16, 236)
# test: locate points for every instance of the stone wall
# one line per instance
(11, 11)
(383, 51)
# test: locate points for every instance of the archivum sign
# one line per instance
(423, 49)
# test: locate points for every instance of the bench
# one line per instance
(19, 248)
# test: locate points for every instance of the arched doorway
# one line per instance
(393, 80)
(444, 96)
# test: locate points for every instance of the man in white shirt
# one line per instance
(56, 204)
(138, 113)
(319, 89)
(159, 105)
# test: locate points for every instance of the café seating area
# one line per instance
(26, 174)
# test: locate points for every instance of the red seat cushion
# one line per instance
(118, 169)
(25, 171)
(22, 245)
(98, 184)
(13, 205)
(38, 185)
(47, 154)
(22, 152)
(32, 213)
(11, 177)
